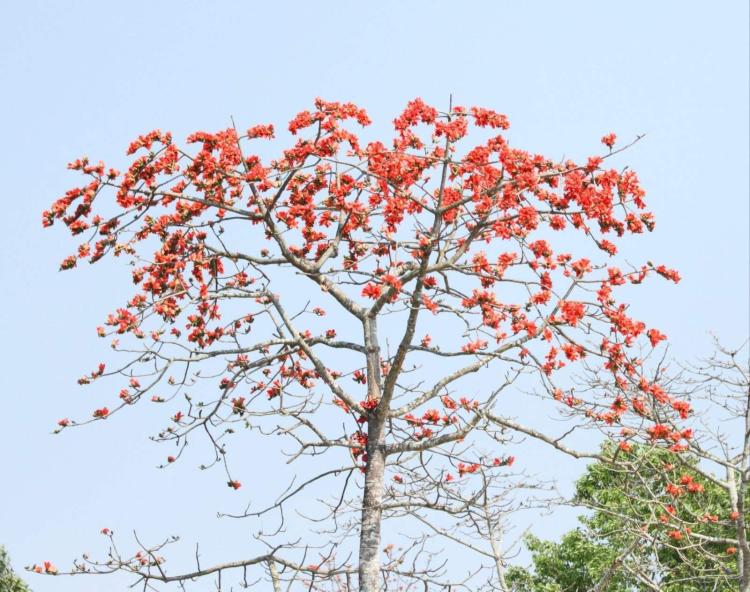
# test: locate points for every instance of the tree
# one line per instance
(576, 563)
(482, 515)
(9, 581)
(665, 521)
(720, 385)
(238, 261)
(633, 543)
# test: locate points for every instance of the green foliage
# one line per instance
(672, 537)
(575, 564)
(9, 581)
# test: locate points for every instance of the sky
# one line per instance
(87, 77)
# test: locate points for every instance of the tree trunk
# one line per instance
(274, 576)
(737, 503)
(744, 565)
(372, 499)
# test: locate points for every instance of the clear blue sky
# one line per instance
(85, 77)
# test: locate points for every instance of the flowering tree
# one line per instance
(678, 521)
(347, 295)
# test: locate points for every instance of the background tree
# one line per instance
(664, 521)
(631, 542)
(720, 385)
(441, 262)
(478, 517)
(577, 562)
(9, 581)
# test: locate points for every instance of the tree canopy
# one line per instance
(373, 303)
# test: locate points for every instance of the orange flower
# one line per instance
(101, 413)
(609, 140)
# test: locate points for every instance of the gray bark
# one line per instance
(372, 498)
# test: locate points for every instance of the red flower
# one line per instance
(430, 304)
(101, 413)
(371, 291)
(593, 163)
(50, 568)
(68, 263)
(234, 484)
(540, 248)
(467, 469)
(674, 490)
(238, 405)
(474, 346)
(488, 118)
(448, 402)
(609, 140)
(659, 431)
(655, 336)
(581, 267)
(431, 416)
(260, 131)
(392, 281)
(572, 312)
(695, 487)
(670, 274)
(682, 407)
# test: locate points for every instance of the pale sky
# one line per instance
(86, 77)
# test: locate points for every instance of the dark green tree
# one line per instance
(576, 563)
(9, 581)
(685, 542)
